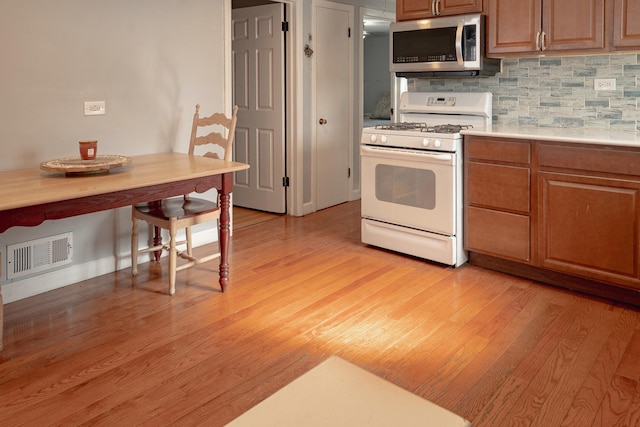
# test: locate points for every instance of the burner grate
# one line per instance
(403, 126)
(448, 128)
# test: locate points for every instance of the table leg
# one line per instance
(223, 236)
(1, 321)
(157, 239)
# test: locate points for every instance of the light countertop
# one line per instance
(583, 135)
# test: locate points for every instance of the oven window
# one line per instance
(406, 186)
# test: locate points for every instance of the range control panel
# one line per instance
(449, 101)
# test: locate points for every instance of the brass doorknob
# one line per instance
(323, 121)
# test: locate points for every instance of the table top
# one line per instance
(30, 187)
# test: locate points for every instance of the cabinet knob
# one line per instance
(323, 121)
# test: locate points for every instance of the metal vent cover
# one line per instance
(36, 256)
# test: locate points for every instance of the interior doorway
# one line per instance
(377, 82)
(333, 87)
(258, 58)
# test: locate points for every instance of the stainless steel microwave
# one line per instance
(441, 47)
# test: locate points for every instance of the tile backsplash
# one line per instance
(557, 91)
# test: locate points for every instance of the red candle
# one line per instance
(88, 150)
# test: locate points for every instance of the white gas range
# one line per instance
(412, 174)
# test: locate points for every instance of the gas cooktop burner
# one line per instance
(446, 128)
(403, 126)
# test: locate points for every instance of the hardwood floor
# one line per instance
(496, 349)
(243, 218)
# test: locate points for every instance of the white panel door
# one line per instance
(258, 84)
(334, 99)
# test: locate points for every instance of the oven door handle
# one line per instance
(391, 153)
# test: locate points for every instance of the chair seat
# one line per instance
(177, 207)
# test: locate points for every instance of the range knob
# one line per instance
(437, 143)
(425, 142)
(374, 138)
(383, 139)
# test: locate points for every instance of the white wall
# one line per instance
(151, 61)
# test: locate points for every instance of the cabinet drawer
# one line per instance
(498, 233)
(611, 160)
(497, 150)
(498, 186)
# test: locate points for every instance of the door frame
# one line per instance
(293, 97)
(311, 206)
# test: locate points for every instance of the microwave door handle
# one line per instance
(459, 43)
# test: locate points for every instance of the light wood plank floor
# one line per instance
(498, 350)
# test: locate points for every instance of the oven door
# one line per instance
(409, 188)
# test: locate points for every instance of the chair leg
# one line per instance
(134, 244)
(172, 256)
(189, 241)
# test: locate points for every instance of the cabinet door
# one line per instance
(458, 7)
(626, 24)
(589, 227)
(407, 10)
(420, 9)
(572, 24)
(530, 26)
(514, 26)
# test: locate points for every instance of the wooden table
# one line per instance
(28, 197)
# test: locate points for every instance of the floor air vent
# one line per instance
(39, 255)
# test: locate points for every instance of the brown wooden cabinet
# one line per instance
(589, 227)
(563, 213)
(626, 24)
(589, 211)
(407, 10)
(497, 188)
(536, 26)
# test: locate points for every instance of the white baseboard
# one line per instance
(75, 273)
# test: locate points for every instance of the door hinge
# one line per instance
(285, 26)
(285, 181)
(348, 172)
(349, 33)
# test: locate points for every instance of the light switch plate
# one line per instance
(94, 108)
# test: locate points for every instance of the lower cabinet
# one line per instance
(581, 219)
(497, 190)
(589, 226)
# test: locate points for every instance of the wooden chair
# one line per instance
(178, 213)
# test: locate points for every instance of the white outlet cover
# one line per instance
(604, 84)
(94, 108)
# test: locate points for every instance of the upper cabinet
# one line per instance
(626, 24)
(537, 26)
(407, 10)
